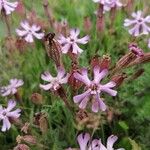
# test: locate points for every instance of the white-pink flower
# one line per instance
(93, 89)
(11, 89)
(109, 4)
(149, 43)
(110, 142)
(28, 32)
(70, 43)
(54, 83)
(138, 25)
(7, 113)
(7, 6)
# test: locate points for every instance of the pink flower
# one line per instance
(86, 143)
(109, 4)
(94, 88)
(54, 82)
(112, 4)
(7, 113)
(110, 142)
(139, 24)
(8, 6)
(28, 32)
(11, 89)
(70, 43)
(149, 43)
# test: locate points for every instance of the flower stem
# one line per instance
(100, 19)
(48, 12)
(7, 22)
(18, 97)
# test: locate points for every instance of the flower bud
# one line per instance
(25, 127)
(21, 147)
(95, 61)
(10, 44)
(133, 47)
(105, 62)
(140, 60)
(73, 82)
(20, 9)
(124, 62)
(137, 74)
(41, 121)
(21, 45)
(85, 119)
(87, 24)
(119, 78)
(37, 98)
(29, 139)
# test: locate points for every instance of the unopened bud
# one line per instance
(87, 24)
(95, 61)
(124, 62)
(10, 44)
(21, 147)
(110, 115)
(43, 123)
(20, 9)
(118, 79)
(105, 62)
(25, 128)
(140, 60)
(133, 47)
(19, 139)
(137, 74)
(21, 45)
(37, 98)
(29, 139)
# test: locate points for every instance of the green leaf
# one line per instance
(135, 146)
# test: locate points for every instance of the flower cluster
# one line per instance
(92, 87)
(6, 114)
(85, 143)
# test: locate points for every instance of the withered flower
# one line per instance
(53, 48)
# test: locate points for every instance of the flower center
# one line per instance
(94, 88)
(4, 113)
(140, 20)
(72, 40)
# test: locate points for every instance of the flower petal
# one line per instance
(83, 141)
(46, 87)
(110, 141)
